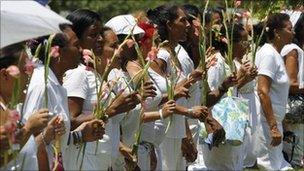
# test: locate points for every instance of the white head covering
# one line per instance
(123, 24)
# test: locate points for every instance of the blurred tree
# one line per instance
(110, 8)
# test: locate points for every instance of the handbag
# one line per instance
(295, 109)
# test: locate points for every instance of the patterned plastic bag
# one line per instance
(233, 114)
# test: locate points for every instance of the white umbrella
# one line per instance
(23, 20)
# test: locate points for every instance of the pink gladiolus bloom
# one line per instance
(87, 52)
(237, 3)
(152, 55)
(14, 115)
(197, 26)
(55, 51)
(224, 40)
(29, 66)
(10, 126)
(247, 14)
(87, 59)
(130, 43)
(14, 71)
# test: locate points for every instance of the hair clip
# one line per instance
(267, 29)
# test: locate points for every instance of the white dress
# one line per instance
(57, 104)
(98, 155)
(159, 125)
(177, 130)
(227, 156)
(270, 63)
(148, 134)
(247, 92)
(129, 123)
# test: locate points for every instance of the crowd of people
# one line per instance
(135, 93)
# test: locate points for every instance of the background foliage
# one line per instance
(110, 8)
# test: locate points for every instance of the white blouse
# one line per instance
(57, 104)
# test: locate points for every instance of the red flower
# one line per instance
(149, 32)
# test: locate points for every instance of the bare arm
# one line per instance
(75, 108)
(292, 68)
(264, 83)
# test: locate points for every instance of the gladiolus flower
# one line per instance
(10, 126)
(87, 59)
(224, 40)
(14, 71)
(152, 55)
(247, 14)
(237, 3)
(197, 26)
(55, 51)
(29, 66)
(14, 115)
(87, 52)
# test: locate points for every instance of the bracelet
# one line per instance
(43, 138)
(190, 111)
(161, 114)
(77, 138)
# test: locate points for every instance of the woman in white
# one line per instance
(245, 89)
(14, 56)
(66, 56)
(225, 156)
(272, 89)
(123, 74)
(174, 54)
(293, 56)
(81, 90)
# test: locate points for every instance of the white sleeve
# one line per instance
(214, 75)
(165, 56)
(267, 65)
(76, 83)
(34, 101)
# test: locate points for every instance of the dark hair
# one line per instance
(10, 55)
(257, 31)
(238, 28)
(219, 11)
(160, 16)
(82, 19)
(105, 29)
(274, 22)
(298, 29)
(191, 10)
(60, 39)
(234, 32)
